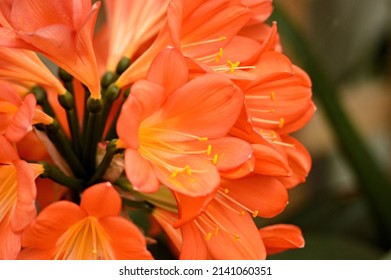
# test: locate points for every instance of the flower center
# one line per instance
(85, 240)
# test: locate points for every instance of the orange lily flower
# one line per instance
(18, 115)
(174, 131)
(61, 30)
(93, 230)
(281, 237)
(17, 198)
(24, 65)
(131, 24)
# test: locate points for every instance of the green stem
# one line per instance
(374, 183)
(68, 103)
(111, 150)
(91, 138)
(58, 176)
(62, 144)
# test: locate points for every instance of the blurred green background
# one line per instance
(344, 208)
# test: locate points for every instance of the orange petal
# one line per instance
(25, 208)
(200, 178)
(9, 240)
(140, 172)
(281, 237)
(127, 241)
(299, 160)
(193, 244)
(206, 106)
(263, 194)
(101, 200)
(169, 69)
(145, 99)
(22, 120)
(237, 237)
(7, 151)
(190, 207)
(51, 223)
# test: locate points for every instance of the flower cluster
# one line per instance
(179, 108)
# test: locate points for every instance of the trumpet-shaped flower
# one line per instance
(174, 131)
(93, 230)
(17, 198)
(61, 30)
(131, 24)
(197, 28)
(25, 66)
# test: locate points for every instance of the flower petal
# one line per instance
(140, 172)
(7, 151)
(126, 240)
(263, 194)
(199, 177)
(146, 98)
(281, 237)
(169, 69)
(193, 244)
(25, 208)
(22, 120)
(52, 222)
(237, 238)
(207, 106)
(101, 200)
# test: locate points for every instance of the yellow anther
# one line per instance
(273, 96)
(281, 124)
(215, 159)
(232, 66)
(242, 213)
(209, 150)
(236, 237)
(219, 55)
(208, 236)
(187, 170)
(226, 190)
(94, 251)
(174, 173)
(222, 38)
(203, 139)
(255, 213)
(216, 231)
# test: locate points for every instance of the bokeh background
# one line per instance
(344, 208)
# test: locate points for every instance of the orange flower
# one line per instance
(222, 220)
(25, 66)
(132, 23)
(61, 30)
(18, 115)
(174, 130)
(17, 198)
(93, 230)
(197, 28)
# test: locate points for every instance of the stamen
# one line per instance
(209, 150)
(219, 55)
(283, 144)
(187, 170)
(282, 121)
(208, 236)
(222, 38)
(279, 123)
(233, 66)
(271, 96)
(224, 195)
(215, 159)
(262, 110)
